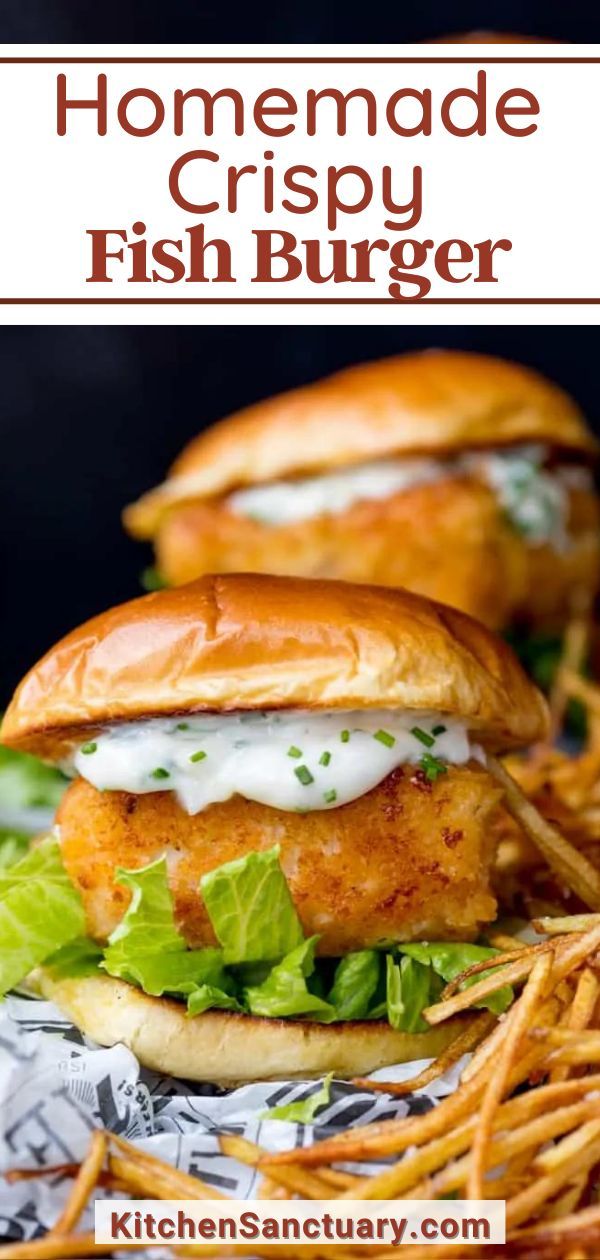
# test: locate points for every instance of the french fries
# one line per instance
(517, 1023)
(571, 867)
(463, 1044)
(83, 1186)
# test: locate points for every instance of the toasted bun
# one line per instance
(434, 402)
(259, 642)
(227, 1048)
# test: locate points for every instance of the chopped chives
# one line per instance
(160, 773)
(324, 759)
(293, 751)
(345, 736)
(423, 736)
(330, 796)
(88, 748)
(303, 774)
(432, 767)
(438, 730)
(198, 756)
(182, 726)
(384, 737)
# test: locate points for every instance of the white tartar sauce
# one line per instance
(294, 760)
(533, 497)
(285, 502)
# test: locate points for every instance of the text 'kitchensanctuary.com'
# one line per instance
(124, 1221)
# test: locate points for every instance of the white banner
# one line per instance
(392, 178)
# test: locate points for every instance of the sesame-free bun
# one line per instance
(247, 641)
(228, 1048)
(435, 402)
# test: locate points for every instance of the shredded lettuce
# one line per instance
(449, 958)
(26, 783)
(408, 993)
(305, 1109)
(251, 909)
(147, 949)
(355, 984)
(207, 996)
(148, 926)
(81, 957)
(13, 846)
(285, 991)
(40, 911)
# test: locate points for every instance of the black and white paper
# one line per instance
(56, 1087)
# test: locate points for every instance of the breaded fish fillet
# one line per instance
(449, 540)
(408, 860)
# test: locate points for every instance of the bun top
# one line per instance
(435, 402)
(249, 641)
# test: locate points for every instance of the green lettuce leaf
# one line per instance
(40, 911)
(207, 996)
(81, 957)
(147, 929)
(305, 1109)
(251, 909)
(408, 993)
(26, 783)
(147, 949)
(285, 991)
(355, 984)
(13, 846)
(151, 579)
(449, 958)
(179, 974)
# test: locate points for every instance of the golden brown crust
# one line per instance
(245, 641)
(447, 540)
(409, 860)
(468, 555)
(434, 402)
(229, 1049)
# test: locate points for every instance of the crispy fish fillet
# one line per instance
(445, 540)
(449, 540)
(408, 860)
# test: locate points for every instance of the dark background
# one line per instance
(299, 21)
(91, 417)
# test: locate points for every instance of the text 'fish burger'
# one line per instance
(462, 477)
(277, 846)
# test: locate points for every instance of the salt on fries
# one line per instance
(537, 1147)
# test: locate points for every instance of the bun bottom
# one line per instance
(230, 1049)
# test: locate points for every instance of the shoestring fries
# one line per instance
(568, 863)
(298, 1180)
(464, 1043)
(517, 1023)
(83, 1186)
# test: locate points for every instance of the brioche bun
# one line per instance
(229, 1049)
(434, 402)
(246, 641)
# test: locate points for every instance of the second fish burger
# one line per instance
(460, 476)
(277, 844)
